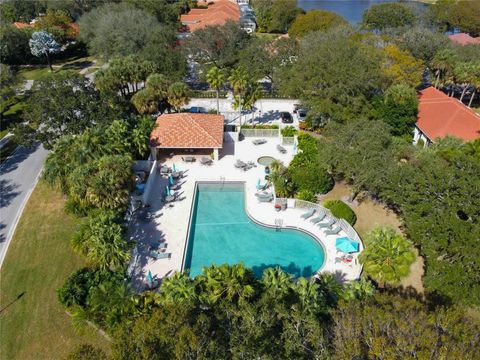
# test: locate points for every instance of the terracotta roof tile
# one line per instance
(440, 115)
(464, 39)
(185, 130)
(21, 25)
(217, 13)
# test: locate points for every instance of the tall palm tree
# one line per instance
(443, 63)
(462, 72)
(145, 101)
(216, 78)
(178, 94)
(475, 81)
(238, 80)
(387, 256)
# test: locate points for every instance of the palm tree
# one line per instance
(443, 63)
(216, 78)
(276, 282)
(178, 94)
(238, 80)
(158, 84)
(475, 81)
(233, 283)
(387, 256)
(178, 288)
(145, 101)
(462, 72)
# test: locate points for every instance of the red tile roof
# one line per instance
(21, 25)
(185, 130)
(217, 13)
(440, 115)
(464, 39)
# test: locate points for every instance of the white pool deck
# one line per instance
(170, 224)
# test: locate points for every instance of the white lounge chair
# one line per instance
(333, 232)
(318, 218)
(328, 224)
(308, 214)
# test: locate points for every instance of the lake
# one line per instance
(351, 10)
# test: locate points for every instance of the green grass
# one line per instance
(12, 116)
(30, 73)
(37, 263)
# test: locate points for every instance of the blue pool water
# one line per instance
(221, 232)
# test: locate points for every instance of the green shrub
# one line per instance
(311, 177)
(306, 195)
(259, 126)
(341, 210)
(288, 131)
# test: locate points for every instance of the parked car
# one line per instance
(296, 107)
(286, 117)
(301, 114)
(198, 109)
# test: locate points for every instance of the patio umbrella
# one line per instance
(168, 190)
(174, 169)
(149, 279)
(346, 245)
(258, 184)
(294, 146)
(170, 179)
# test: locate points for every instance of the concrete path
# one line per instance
(18, 176)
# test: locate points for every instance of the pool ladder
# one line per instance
(278, 224)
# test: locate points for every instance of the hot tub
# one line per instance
(265, 160)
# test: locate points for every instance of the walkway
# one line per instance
(18, 176)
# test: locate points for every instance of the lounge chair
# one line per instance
(319, 218)
(205, 161)
(239, 164)
(308, 214)
(281, 149)
(264, 196)
(328, 224)
(333, 232)
(259, 141)
(157, 255)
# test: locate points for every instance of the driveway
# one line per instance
(18, 176)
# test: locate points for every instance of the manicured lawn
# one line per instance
(38, 261)
(369, 215)
(31, 73)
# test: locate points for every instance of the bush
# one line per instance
(341, 210)
(259, 126)
(312, 178)
(288, 131)
(306, 195)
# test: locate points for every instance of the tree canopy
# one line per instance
(275, 15)
(315, 20)
(388, 15)
(461, 14)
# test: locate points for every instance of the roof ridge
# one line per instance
(201, 127)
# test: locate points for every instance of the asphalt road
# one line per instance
(18, 176)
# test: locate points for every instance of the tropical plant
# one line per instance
(387, 256)
(306, 195)
(100, 239)
(341, 210)
(239, 80)
(43, 43)
(178, 289)
(443, 63)
(178, 95)
(216, 78)
(276, 282)
(288, 131)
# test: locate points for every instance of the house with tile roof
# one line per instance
(464, 39)
(440, 115)
(180, 132)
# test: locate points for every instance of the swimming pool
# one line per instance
(221, 232)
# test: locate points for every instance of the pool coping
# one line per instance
(295, 228)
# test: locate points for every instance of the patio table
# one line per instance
(169, 198)
(189, 158)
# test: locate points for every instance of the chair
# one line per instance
(308, 214)
(327, 224)
(259, 141)
(281, 149)
(205, 161)
(158, 256)
(333, 232)
(319, 218)
(264, 196)
(239, 164)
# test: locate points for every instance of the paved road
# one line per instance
(18, 176)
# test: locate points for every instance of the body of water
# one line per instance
(221, 232)
(351, 10)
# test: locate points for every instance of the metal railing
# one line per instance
(259, 132)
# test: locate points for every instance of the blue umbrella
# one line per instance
(150, 279)
(294, 146)
(168, 190)
(170, 179)
(174, 168)
(258, 184)
(347, 245)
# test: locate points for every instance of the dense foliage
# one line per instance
(315, 20)
(388, 15)
(275, 15)
(461, 14)
(341, 210)
(434, 191)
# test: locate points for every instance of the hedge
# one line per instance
(341, 210)
(288, 131)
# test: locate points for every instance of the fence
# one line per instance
(259, 132)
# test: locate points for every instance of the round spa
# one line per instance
(265, 160)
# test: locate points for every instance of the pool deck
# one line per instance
(170, 224)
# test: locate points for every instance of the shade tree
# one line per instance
(315, 20)
(388, 15)
(43, 44)
(275, 16)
